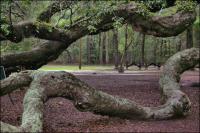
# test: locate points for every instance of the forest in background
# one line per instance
(100, 34)
(114, 47)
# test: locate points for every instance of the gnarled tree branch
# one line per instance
(45, 85)
(156, 25)
(15, 81)
(152, 24)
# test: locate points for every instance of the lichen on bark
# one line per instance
(45, 85)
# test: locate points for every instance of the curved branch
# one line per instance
(33, 59)
(9, 128)
(15, 81)
(156, 25)
(85, 98)
(42, 30)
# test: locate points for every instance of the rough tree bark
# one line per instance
(152, 24)
(45, 85)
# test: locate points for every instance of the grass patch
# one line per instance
(75, 67)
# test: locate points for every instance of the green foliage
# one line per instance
(118, 22)
(143, 10)
(47, 26)
(90, 12)
(186, 5)
(91, 28)
(167, 12)
(9, 47)
(146, 6)
(156, 4)
(197, 22)
(5, 28)
(62, 23)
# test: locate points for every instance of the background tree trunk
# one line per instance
(107, 47)
(103, 45)
(80, 53)
(161, 49)
(115, 47)
(197, 37)
(155, 52)
(126, 47)
(142, 50)
(45, 85)
(100, 49)
(189, 38)
(89, 41)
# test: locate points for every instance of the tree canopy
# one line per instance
(62, 23)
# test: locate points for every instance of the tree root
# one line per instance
(44, 85)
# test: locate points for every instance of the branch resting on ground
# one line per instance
(45, 85)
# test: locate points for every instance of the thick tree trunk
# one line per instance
(45, 85)
(151, 24)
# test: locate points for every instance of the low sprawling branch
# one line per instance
(14, 82)
(156, 25)
(45, 85)
(33, 59)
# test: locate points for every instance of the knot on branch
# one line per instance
(83, 106)
(182, 106)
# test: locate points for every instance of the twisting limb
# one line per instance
(46, 85)
(154, 25)
(162, 26)
(15, 81)
(33, 59)
(9, 128)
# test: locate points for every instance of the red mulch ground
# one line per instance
(61, 116)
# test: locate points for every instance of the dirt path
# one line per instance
(61, 116)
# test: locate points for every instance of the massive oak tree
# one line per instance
(84, 97)
(59, 39)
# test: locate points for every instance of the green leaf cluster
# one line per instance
(186, 5)
(5, 28)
